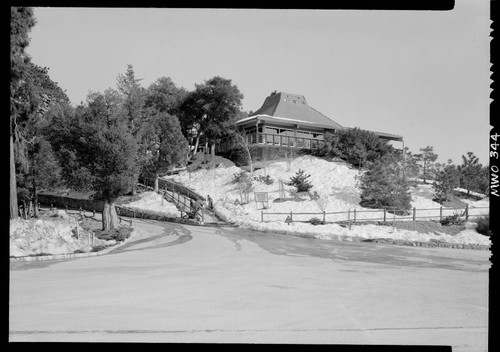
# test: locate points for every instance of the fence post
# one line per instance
(440, 213)
(291, 216)
(77, 230)
(414, 213)
(467, 212)
(354, 216)
(93, 214)
(393, 219)
(349, 218)
(324, 217)
(385, 215)
(261, 216)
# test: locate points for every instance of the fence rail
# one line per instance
(272, 139)
(189, 203)
(386, 215)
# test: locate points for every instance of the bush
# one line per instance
(264, 179)
(300, 182)
(240, 177)
(119, 235)
(98, 248)
(483, 226)
(314, 196)
(315, 221)
(452, 220)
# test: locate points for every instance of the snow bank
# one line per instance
(337, 184)
(155, 202)
(54, 235)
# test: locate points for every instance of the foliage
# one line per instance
(164, 96)
(314, 196)
(264, 179)
(32, 92)
(454, 219)
(315, 221)
(119, 235)
(356, 146)
(244, 184)
(167, 146)
(300, 181)
(483, 226)
(43, 171)
(385, 185)
(471, 173)
(446, 179)
(411, 167)
(99, 247)
(133, 96)
(240, 177)
(210, 110)
(426, 161)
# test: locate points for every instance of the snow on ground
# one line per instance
(53, 233)
(337, 185)
(155, 202)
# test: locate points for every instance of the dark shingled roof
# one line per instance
(280, 107)
(293, 106)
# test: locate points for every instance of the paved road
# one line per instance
(177, 283)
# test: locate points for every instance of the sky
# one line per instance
(424, 75)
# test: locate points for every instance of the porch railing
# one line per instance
(270, 139)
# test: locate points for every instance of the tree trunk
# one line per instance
(196, 144)
(35, 199)
(13, 187)
(212, 151)
(109, 216)
(156, 183)
(25, 209)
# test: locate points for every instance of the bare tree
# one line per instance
(242, 142)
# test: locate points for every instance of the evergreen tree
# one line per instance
(426, 161)
(470, 172)
(385, 185)
(356, 146)
(210, 110)
(164, 96)
(43, 172)
(168, 147)
(21, 22)
(300, 181)
(447, 178)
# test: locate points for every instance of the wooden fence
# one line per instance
(383, 215)
(189, 203)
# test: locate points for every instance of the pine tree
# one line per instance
(447, 178)
(471, 172)
(300, 181)
(426, 161)
(384, 185)
(168, 147)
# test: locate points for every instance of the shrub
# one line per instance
(98, 248)
(300, 182)
(119, 235)
(314, 195)
(240, 177)
(483, 226)
(384, 185)
(454, 219)
(315, 221)
(264, 179)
